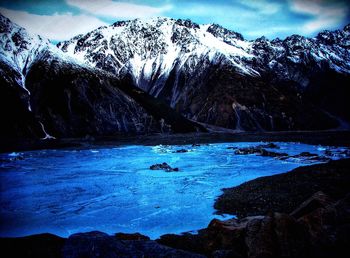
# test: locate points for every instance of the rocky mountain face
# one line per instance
(162, 74)
(47, 94)
(212, 75)
(17, 51)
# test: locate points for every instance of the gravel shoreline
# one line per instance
(284, 192)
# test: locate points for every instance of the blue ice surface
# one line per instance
(113, 190)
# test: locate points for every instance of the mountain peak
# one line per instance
(187, 23)
(17, 45)
(219, 31)
(140, 45)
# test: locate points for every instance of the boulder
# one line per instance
(307, 156)
(329, 228)
(97, 244)
(181, 151)
(164, 166)
(318, 200)
(134, 236)
(259, 151)
(34, 246)
(269, 145)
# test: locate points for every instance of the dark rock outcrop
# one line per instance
(318, 200)
(17, 120)
(134, 236)
(269, 145)
(259, 151)
(73, 101)
(98, 244)
(304, 156)
(284, 192)
(328, 227)
(181, 151)
(164, 166)
(311, 231)
(307, 156)
(36, 246)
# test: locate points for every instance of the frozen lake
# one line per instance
(113, 190)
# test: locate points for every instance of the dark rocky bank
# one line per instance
(302, 213)
(319, 227)
(284, 192)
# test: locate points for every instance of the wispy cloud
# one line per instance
(55, 27)
(251, 18)
(325, 14)
(270, 32)
(120, 10)
(63, 19)
(262, 6)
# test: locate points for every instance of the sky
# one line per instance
(60, 20)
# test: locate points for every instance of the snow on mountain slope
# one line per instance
(204, 72)
(19, 49)
(296, 56)
(18, 46)
(51, 94)
(151, 48)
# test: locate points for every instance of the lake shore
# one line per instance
(331, 138)
(284, 192)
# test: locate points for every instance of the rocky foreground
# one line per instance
(284, 192)
(302, 213)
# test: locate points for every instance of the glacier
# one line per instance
(112, 189)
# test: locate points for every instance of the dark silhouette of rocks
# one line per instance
(269, 145)
(35, 246)
(134, 236)
(284, 192)
(261, 150)
(164, 166)
(98, 244)
(181, 151)
(318, 228)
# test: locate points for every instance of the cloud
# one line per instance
(325, 14)
(262, 6)
(120, 10)
(270, 32)
(54, 27)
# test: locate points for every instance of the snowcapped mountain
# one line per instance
(162, 74)
(18, 46)
(150, 49)
(145, 47)
(208, 73)
(46, 93)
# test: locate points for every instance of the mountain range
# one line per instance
(166, 75)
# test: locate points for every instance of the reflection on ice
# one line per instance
(113, 189)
